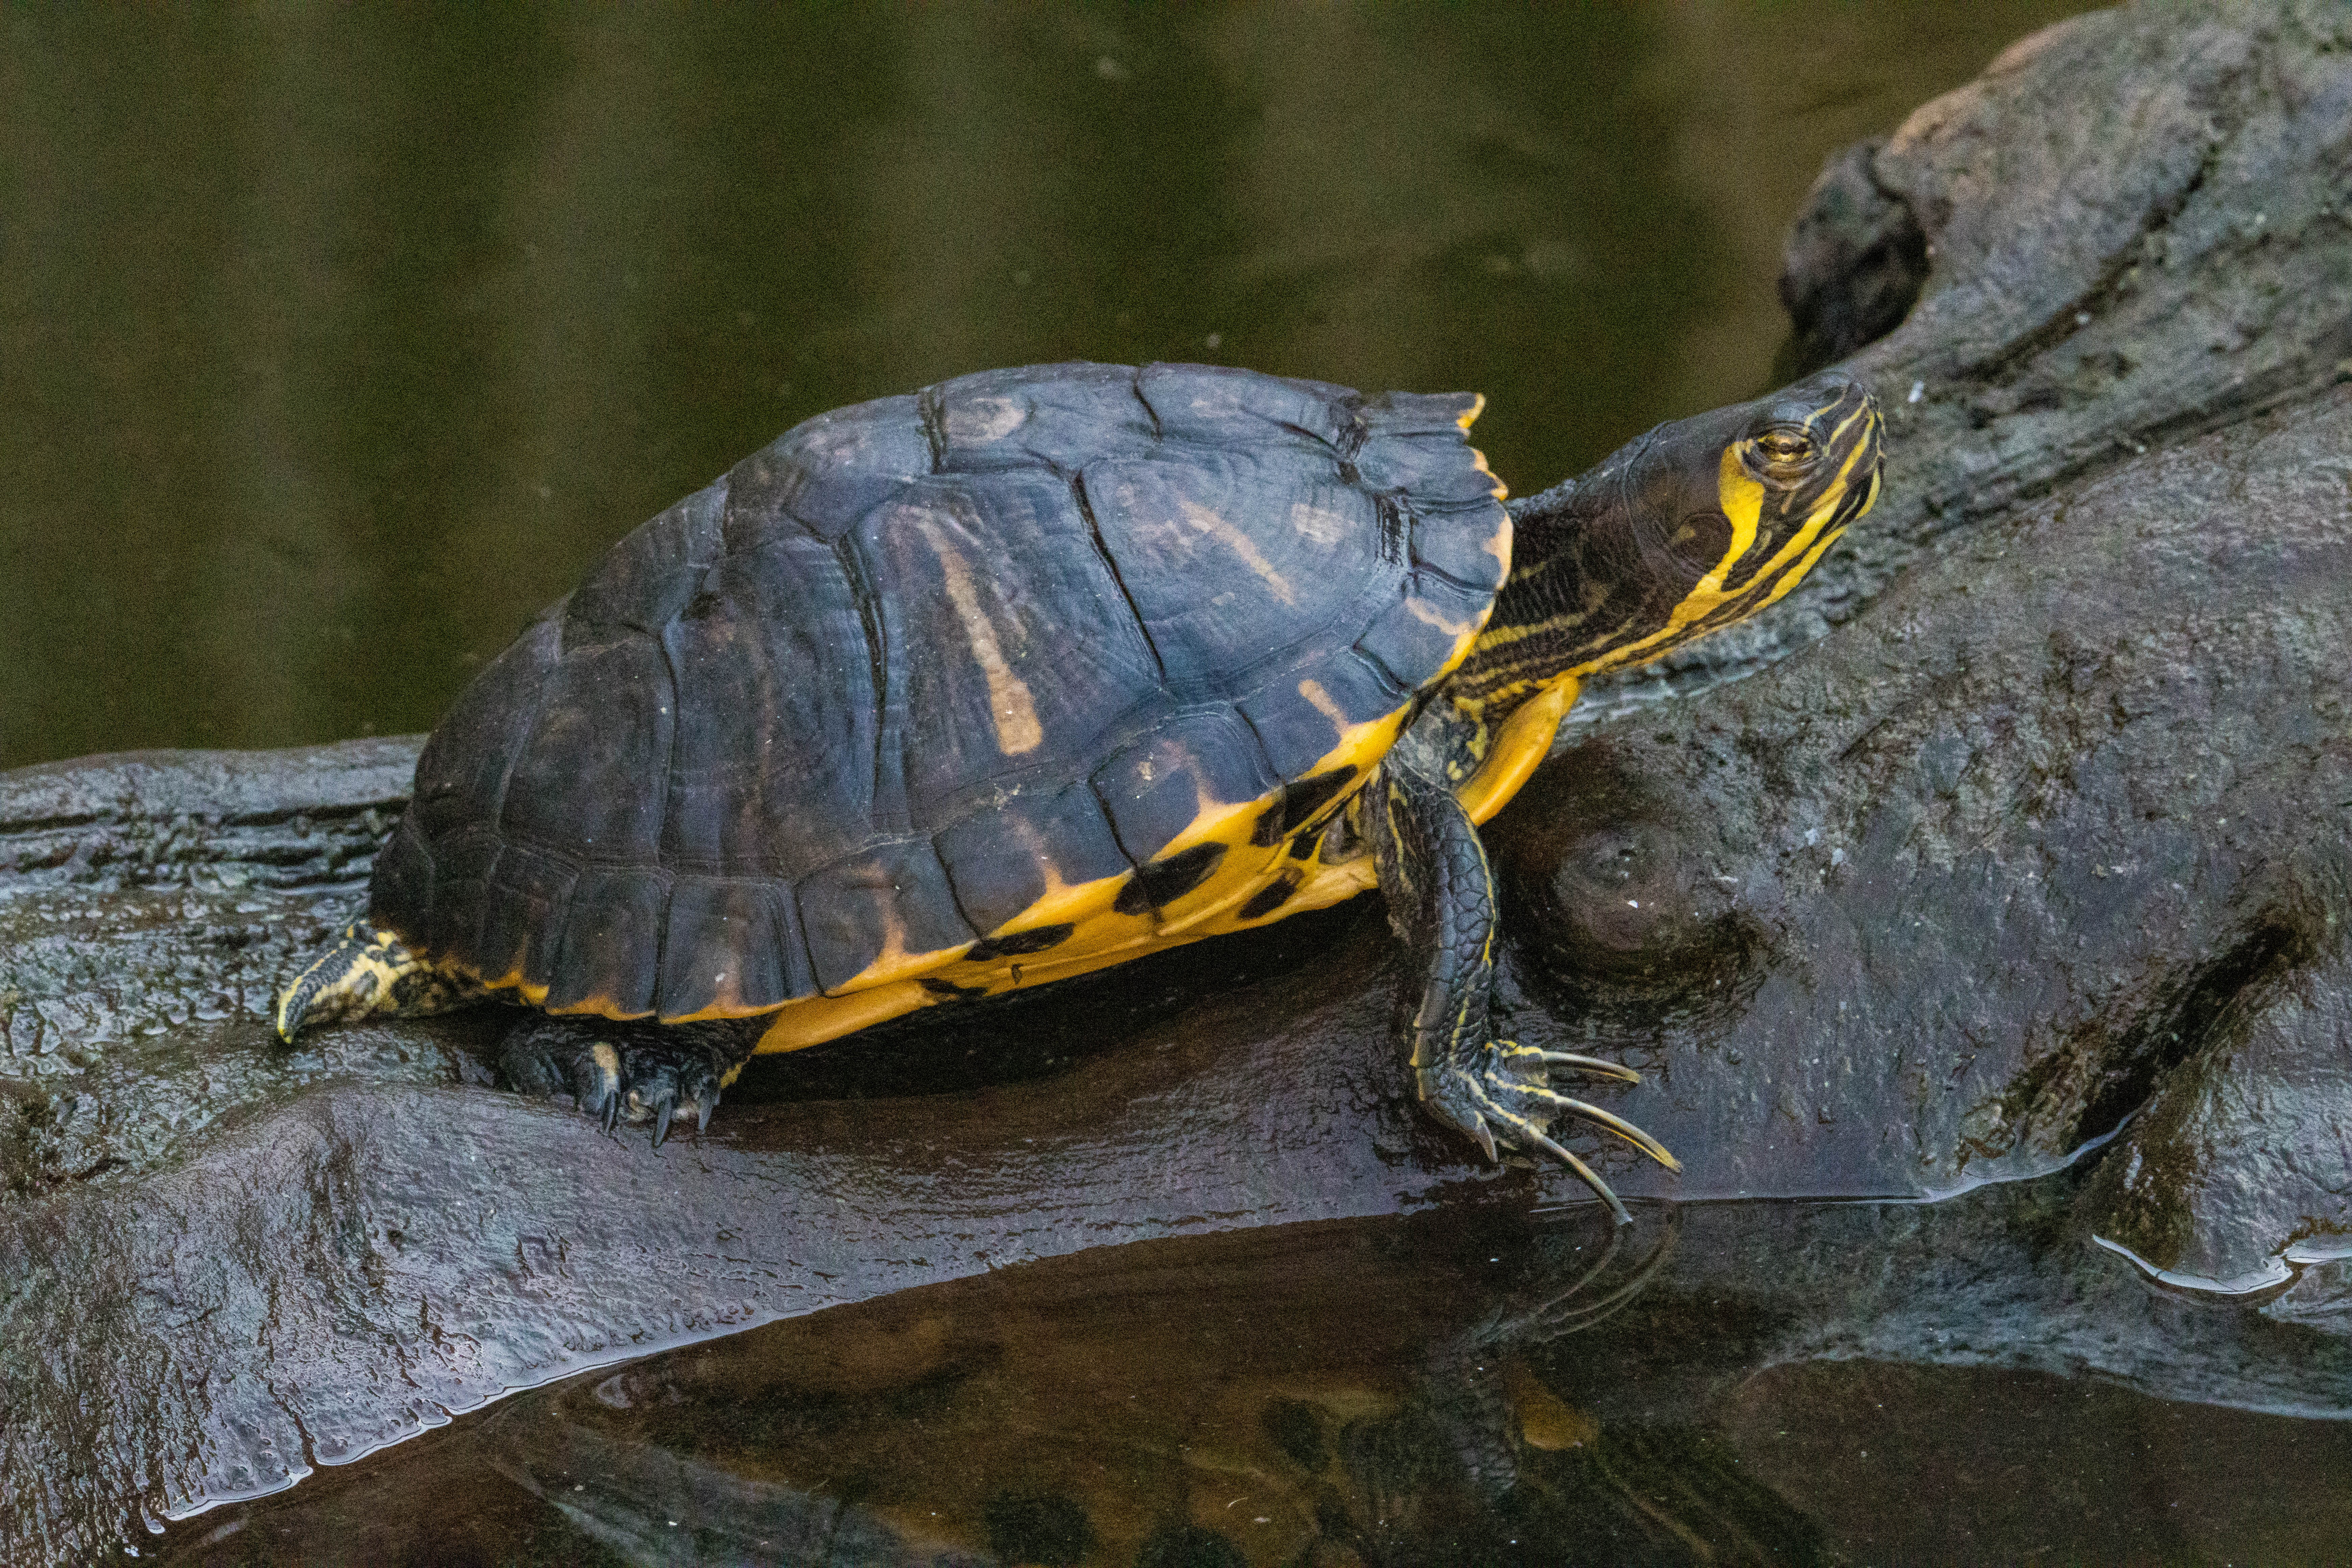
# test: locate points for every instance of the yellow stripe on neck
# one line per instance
(1743, 507)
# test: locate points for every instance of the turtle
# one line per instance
(956, 693)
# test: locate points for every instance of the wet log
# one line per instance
(2044, 850)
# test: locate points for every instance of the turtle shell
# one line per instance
(1005, 678)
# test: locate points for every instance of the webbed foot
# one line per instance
(1502, 1093)
(369, 973)
(636, 1072)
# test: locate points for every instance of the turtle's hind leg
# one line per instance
(369, 973)
(631, 1070)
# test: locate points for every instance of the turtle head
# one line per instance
(1691, 528)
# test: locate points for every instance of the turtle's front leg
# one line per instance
(1441, 899)
(630, 1070)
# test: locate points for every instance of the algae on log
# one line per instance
(1907, 915)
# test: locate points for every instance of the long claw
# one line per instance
(1521, 1128)
(703, 1107)
(1617, 1124)
(611, 1108)
(1485, 1137)
(1617, 1070)
(662, 1110)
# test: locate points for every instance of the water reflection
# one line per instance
(335, 344)
(1476, 1385)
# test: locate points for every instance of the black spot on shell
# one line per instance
(948, 990)
(1302, 800)
(1299, 802)
(1272, 896)
(1019, 942)
(1163, 881)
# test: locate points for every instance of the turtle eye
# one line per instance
(1786, 452)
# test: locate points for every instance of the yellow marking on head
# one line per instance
(1207, 522)
(1861, 410)
(1522, 744)
(1009, 702)
(1791, 578)
(1741, 496)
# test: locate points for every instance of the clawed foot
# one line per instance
(617, 1071)
(1502, 1093)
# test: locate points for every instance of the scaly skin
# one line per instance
(1441, 899)
(369, 973)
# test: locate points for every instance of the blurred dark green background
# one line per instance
(335, 343)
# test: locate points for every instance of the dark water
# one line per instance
(1449, 1390)
(335, 343)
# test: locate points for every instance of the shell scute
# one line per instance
(825, 474)
(1444, 414)
(605, 963)
(462, 862)
(1005, 858)
(1054, 417)
(525, 901)
(871, 917)
(777, 708)
(587, 777)
(1300, 717)
(1224, 587)
(995, 696)
(653, 573)
(731, 946)
(1180, 772)
(1217, 406)
(462, 772)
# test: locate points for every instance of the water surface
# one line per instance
(335, 344)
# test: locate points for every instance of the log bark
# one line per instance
(2135, 225)
(2047, 848)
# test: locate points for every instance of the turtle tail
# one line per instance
(370, 974)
